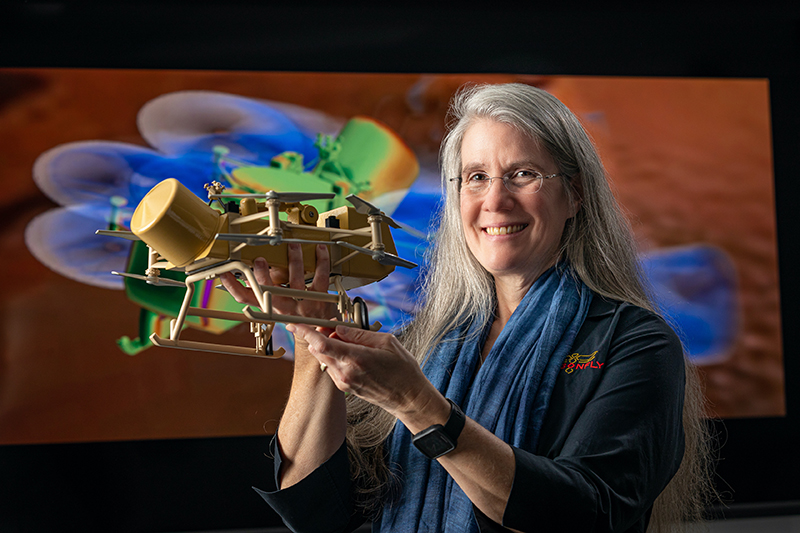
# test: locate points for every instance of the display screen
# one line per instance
(689, 159)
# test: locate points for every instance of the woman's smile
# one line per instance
(504, 230)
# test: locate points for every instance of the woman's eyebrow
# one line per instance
(465, 169)
(471, 167)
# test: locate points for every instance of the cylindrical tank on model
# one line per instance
(176, 223)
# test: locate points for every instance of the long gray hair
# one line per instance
(597, 242)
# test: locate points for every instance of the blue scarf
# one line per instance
(509, 397)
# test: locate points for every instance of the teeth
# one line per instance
(504, 230)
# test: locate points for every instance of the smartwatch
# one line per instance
(439, 440)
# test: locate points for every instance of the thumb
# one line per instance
(364, 337)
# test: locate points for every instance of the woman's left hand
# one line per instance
(377, 368)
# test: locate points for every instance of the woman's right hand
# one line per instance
(268, 277)
(314, 422)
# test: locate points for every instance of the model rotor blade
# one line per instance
(249, 218)
(361, 249)
(365, 208)
(391, 259)
(123, 234)
(362, 206)
(284, 197)
(289, 197)
(380, 256)
(408, 229)
(157, 281)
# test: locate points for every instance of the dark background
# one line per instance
(203, 484)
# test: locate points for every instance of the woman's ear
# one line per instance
(575, 207)
(575, 195)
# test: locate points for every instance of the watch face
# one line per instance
(434, 443)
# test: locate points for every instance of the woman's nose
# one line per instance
(497, 196)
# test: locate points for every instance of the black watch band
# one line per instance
(439, 440)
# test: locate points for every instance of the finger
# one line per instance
(279, 275)
(314, 340)
(261, 271)
(322, 272)
(321, 344)
(320, 283)
(341, 371)
(239, 292)
(345, 363)
(296, 270)
(364, 337)
(304, 333)
(301, 340)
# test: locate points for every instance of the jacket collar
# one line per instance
(601, 307)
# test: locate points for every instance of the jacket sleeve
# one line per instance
(623, 447)
(320, 503)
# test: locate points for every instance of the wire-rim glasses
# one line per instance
(517, 182)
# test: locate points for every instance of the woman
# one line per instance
(535, 323)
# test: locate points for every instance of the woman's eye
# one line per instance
(526, 174)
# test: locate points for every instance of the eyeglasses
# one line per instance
(517, 182)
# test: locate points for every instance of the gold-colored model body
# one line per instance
(185, 234)
(183, 229)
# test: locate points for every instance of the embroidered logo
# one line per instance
(577, 361)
